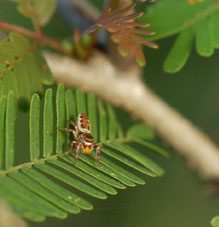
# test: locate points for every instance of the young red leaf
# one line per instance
(126, 30)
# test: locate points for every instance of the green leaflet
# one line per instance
(72, 181)
(45, 193)
(92, 112)
(151, 146)
(141, 131)
(86, 177)
(137, 156)
(127, 161)
(21, 194)
(48, 124)
(41, 184)
(103, 121)
(60, 113)
(2, 129)
(22, 67)
(58, 190)
(71, 110)
(39, 10)
(204, 45)
(113, 124)
(180, 52)
(70, 103)
(123, 172)
(109, 171)
(215, 221)
(34, 124)
(11, 112)
(91, 171)
(81, 102)
(214, 29)
(171, 17)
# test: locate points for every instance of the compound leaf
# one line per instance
(50, 183)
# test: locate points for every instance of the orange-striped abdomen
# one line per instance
(83, 123)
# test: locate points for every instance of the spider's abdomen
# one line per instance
(83, 123)
(87, 148)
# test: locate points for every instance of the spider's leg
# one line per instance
(77, 149)
(72, 145)
(67, 129)
(74, 129)
(72, 123)
(97, 148)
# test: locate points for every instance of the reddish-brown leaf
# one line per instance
(125, 47)
(139, 56)
(126, 30)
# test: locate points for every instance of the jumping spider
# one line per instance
(83, 140)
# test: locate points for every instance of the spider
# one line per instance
(83, 140)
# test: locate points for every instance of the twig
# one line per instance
(8, 218)
(122, 88)
(37, 36)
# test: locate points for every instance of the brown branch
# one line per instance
(8, 218)
(37, 36)
(101, 77)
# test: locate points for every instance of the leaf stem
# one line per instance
(28, 164)
(40, 38)
(42, 160)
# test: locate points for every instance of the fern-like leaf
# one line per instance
(126, 30)
(197, 23)
(41, 183)
(22, 67)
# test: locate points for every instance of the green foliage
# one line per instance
(22, 67)
(215, 221)
(9, 129)
(141, 131)
(34, 124)
(2, 127)
(37, 10)
(41, 183)
(197, 23)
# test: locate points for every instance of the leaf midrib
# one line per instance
(53, 157)
(189, 23)
(200, 16)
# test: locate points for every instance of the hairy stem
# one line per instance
(122, 88)
(37, 36)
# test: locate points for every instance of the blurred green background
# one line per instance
(180, 198)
